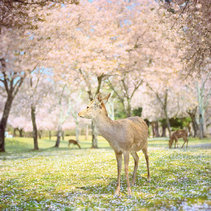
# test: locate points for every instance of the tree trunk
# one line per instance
(192, 115)
(195, 127)
(201, 127)
(167, 120)
(49, 134)
(40, 134)
(59, 135)
(168, 125)
(77, 131)
(3, 122)
(63, 134)
(155, 129)
(201, 106)
(14, 132)
(34, 125)
(189, 130)
(163, 130)
(128, 109)
(87, 132)
(94, 136)
(20, 132)
(165, 109)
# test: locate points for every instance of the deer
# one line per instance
(125, 136)
(176, 135)
(71, 141)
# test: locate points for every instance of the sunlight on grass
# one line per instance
(71, 178)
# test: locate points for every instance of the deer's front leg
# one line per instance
(126, 160)
(119, 167)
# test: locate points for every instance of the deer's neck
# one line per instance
(104, 125)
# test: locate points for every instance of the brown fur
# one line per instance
(71, 141)
(125, 136)
(176, 135)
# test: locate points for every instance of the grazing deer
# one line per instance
(176, 135)
(125, 136)
(71, 141)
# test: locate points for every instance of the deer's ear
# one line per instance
(99, 97)
(105, 99)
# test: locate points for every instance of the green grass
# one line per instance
(70, 178)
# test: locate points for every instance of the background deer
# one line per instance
(71, 141)
(176, 135)
(125, 136)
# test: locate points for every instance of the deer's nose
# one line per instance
(79, 114)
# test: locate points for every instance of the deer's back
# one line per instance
(71, 141)
(129, 134)
(180, 134)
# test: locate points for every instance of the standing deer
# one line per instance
(176, 135)
(125, 136)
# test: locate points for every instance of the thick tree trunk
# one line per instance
(163, 131)
(3, 122)
(195, 127)
(34, 125)
(192, 115)
(155, 129)
(59, 135)
(94, 136)
(20, 132)
(14, 132)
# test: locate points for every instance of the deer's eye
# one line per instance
(87, 107)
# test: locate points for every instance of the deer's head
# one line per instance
(170, 143)
(96, 107)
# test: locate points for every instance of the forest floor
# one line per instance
(85, 179)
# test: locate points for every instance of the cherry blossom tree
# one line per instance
(15, 64)
(202, 91)
(31, 96)
(165, 96)
(192, 19)
(24, 13)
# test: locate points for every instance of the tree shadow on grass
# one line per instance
(44, 152)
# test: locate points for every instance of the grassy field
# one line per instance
(70, 178)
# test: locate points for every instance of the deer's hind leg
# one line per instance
(185, 141)
(147, 162)
(136, 159)
(175, 143)
(126, 161)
